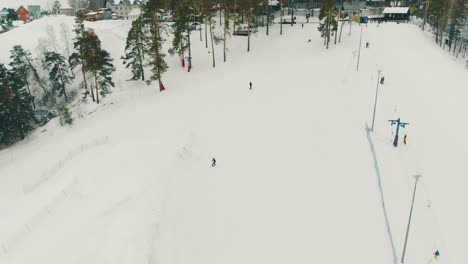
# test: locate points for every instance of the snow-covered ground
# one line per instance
(295, 181)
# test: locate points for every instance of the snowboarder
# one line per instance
(367, 44)
(302, 25)
(436, 254)
(213, 162)
(250, 85)
(404, 139)
(382, 79)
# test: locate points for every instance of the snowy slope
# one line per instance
(295, 179)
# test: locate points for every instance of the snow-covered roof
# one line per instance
(396, 10)
(273, 2)
(91, 13)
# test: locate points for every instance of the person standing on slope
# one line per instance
(213, 162)
(250, 85)
(404, 139)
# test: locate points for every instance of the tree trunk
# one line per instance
(92, 91)
(141, 57)
(206, 31)
(86, 83)
(328, 29)
(189, 67)
(219, 12)
(268, 18)
(96, 85)
(157, 57)
(63, 84)
(29, 92)
(201, 39)
(341, 30)
(281, 17)
(226, 21)
(212, 44)
(248, 31)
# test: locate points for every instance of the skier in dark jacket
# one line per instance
(250, 85)
(213, 162)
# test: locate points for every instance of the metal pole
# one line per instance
(375, 102)
(409, 220)
(359, 53)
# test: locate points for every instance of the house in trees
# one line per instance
(396, 13)
(123, 7)
(134, 14)
(23, 14)
(3, 13)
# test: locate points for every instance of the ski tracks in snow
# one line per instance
(377, 172)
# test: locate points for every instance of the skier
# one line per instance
(302, 25)
(213, 162)
(404, 139)
(250, 85)
(367, 44)
(436, 254)
(382, 79)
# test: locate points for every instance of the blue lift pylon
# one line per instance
(399, 124)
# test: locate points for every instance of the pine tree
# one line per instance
(65, 115)
(99, 63)
(21, 65)
(154, 41)
(181, 31)
(457, 22)
(4, 94)
(56, 8)
(12, 16)
(328, 20)
(81, 48)
(134, 49)
(16, 113)
(58, 72)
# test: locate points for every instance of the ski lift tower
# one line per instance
(398, 123)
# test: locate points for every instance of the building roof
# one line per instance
(396, 10)
(22, 7)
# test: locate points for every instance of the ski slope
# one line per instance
(132, 182)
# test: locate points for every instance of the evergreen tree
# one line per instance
(151, 10)
(12, 16)
(56, 8)
(457, 22)
(81, 49)
(65, 115)
(58, 73)
(135, 48)
(99, 63)
(4, 94)
(181, 30)
(21, 65)
(437, 10)
(16, 113)
(328, 21)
